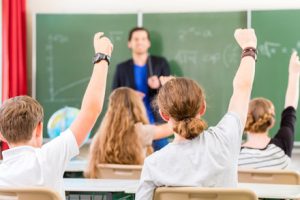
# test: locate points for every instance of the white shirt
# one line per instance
(29, 166)
(209, 160)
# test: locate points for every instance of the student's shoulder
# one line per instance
(230, 120)
(229, 126)
(159, 155)
(65, 138)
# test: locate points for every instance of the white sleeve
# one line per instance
(230, 130)
(146, 187)
(59, 151)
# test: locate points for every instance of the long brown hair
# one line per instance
(260, 115)
(116, 141)
(182, 99)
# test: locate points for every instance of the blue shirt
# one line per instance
(141, 84)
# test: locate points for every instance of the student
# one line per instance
(142, 73)
(199, 157)
(260, 151)
(27, 162)
(125, 132)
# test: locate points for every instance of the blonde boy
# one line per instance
(27, 162)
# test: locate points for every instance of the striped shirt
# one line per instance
(276, 155)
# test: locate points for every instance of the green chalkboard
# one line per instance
(200, 46)
(64, 51)
(278, 34)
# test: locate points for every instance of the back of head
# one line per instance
(182, 99)
(116, 141)
(125, 103)
(260, 116)
(19, 116)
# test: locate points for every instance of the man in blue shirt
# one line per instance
(142, 73)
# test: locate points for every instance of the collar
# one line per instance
(16, 151)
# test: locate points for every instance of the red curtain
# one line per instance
(14, 69)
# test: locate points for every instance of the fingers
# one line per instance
(245, 38)
(102, 44)
(98, 35)
(294, 55)
(237, 32)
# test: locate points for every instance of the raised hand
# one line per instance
(102, 44)
(245, 38)
(294, 66)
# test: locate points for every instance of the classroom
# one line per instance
(163, 77)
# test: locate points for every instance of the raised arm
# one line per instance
(292, 92)
(93, 98)
(243, 80)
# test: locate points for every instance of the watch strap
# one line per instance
(100, 56)
(249, 51)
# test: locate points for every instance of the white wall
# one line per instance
(97, 6)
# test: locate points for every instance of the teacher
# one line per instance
(142, 73)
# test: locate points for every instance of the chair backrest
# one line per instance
(28, 193)
(198, 193)
(268, 176)
(116, 171)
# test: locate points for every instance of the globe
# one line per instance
(61, 120)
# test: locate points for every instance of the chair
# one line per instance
(117, 171)
(28, 193)
(198, 193)
(268, 176)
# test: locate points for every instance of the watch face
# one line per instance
(100, 56)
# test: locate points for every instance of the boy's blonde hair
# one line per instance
(19, 116)
(182, 99)
(260, 115)
(116, 141)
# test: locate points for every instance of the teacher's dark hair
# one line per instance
(138, 29)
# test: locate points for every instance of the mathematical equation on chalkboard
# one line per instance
(270, 48)
(53, 42)
(226, 57)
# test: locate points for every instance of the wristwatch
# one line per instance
(250, 51)
(100, 56)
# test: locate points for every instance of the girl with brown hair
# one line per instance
(199, 157)
(125, 135)
(260, 151)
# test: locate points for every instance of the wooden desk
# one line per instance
(261, 190)
(76, 166)
(130, 187)
(109, 189)
(98, 185)
(273, 191)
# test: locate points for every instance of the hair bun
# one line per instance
(260, 125)
(190, 128)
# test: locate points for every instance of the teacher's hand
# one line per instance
(153, 82)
